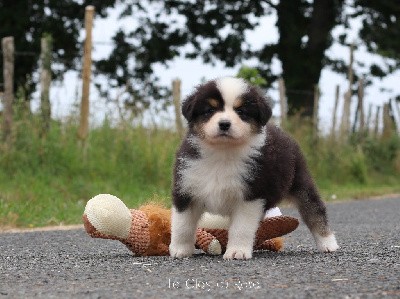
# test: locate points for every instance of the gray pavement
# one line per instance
(69, 264)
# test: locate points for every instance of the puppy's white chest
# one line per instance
(216, 184)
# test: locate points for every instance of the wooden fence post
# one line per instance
(376, 129)
(176, 94)
(283, 101)
(394, 107)
(361, 104)
(45, 81)
(337, 94)
(345, 125)
(359, 114)
(8, 97)
(369, 117)
(83, 130)
(387, 122)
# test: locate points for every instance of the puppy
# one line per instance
(233, 163)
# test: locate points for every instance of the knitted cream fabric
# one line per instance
(209, 220)
(109, 215)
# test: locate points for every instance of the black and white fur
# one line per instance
(233, 163)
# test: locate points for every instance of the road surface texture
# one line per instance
(70, 264)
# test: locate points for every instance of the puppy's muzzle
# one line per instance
(224, 125)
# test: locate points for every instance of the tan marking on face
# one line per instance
(213, 103)
(199, 130)
(237, 103)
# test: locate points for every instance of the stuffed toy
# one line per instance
(147, 231)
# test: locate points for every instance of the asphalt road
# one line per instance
(69, 264)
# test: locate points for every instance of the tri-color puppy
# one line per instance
(233, 163)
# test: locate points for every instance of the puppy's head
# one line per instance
(226, 111)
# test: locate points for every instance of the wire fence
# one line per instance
(67, 57)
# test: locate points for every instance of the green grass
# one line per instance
(47, 181)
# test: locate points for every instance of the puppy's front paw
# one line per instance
(237, 253)
(327, 244)
(181, 250)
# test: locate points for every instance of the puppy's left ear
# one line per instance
(188, 107)
(265, 108)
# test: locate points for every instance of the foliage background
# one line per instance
(46, 180)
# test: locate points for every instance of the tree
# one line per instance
(216, 30)
(28, 21)
(380, 31)
(252, 75)
(304, 35)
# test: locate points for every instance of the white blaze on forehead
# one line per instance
(231, 89)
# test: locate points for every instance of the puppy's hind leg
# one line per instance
(313, 212)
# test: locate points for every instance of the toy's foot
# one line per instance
(207, 242)
(214, 248)
(109, 216)
(181, 250)
(275, 244)
(236, 253)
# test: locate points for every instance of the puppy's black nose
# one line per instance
(224, 125)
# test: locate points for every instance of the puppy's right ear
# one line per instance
(188, 107)
(264, 104)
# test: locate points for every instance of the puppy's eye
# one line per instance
(209, 110)
(239, 111)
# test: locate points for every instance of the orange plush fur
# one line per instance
(159, 228)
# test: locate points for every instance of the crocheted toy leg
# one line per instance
(275, 227)
(268, 235)
(207, 242)
(220, 234)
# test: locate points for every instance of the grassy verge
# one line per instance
(47, 181)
